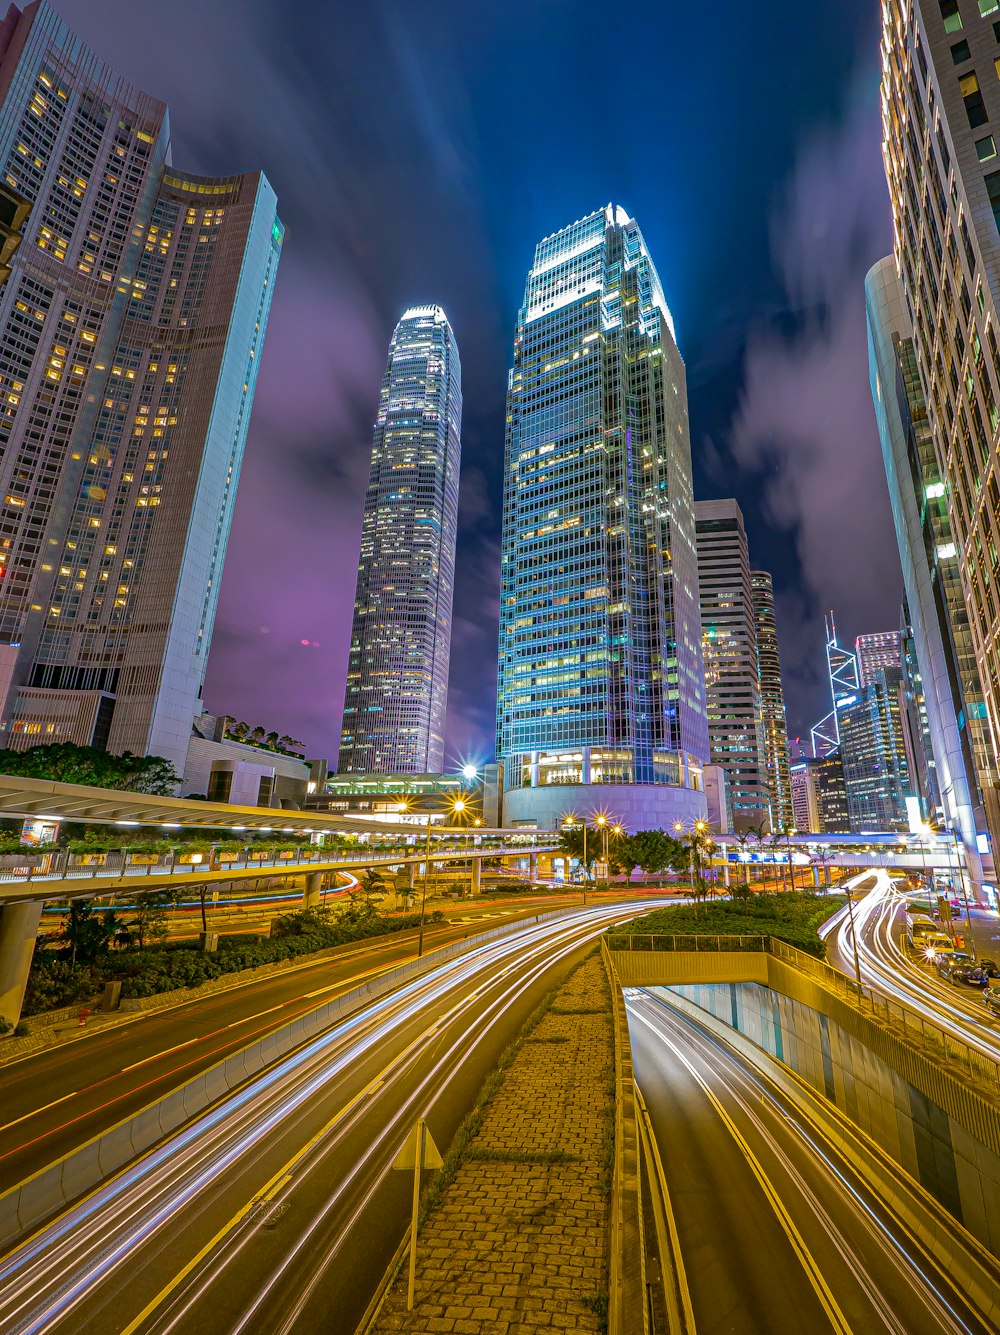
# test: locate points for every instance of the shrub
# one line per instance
(791, 918)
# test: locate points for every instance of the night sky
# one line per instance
(419, 151)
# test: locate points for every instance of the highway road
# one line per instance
(777, 1234)
(888, 968)
(60, 1097)
(278, 1209)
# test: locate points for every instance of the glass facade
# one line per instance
(873, 752)
(939, 104)
(601, 677)
(729, 647)
(131, 330)
(772, 702)
(397, 677)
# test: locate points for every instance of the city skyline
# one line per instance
(434, 223)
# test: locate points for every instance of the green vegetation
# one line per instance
(794, 918)
(65, 762)
(92, 951)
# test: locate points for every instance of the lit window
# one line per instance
(986, 148)
(988, 7)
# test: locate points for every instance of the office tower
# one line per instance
(131, 330)
(882, 649)
(397, 675)
(14, 210)
(772, 701)
(601, 694)
(873, 753)
(945, 660)
(941, 116)
(805, 807)
(842, 674)
(729, 647)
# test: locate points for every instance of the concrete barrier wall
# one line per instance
(953, 1165)
(39, 1197)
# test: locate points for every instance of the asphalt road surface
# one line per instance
(59, 1098)
(778, 1236)
(278, 1210)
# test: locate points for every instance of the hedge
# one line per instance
(794, 918)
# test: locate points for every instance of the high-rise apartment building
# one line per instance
(131, 329)
(772, 701)
(819, 796)
(729, 648)
(601, 695)
(941, 118)
(872, 652)
(397, 676)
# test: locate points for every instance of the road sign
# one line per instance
(418, 1151)
(430, 1156)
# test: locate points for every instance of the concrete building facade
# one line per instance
(131, 331)
(772, 702)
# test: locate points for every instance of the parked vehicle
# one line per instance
(951, 966)
(936, 945)
(991, 999)
(983, 974)
(919, 925)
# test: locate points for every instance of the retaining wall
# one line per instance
(930, 1144)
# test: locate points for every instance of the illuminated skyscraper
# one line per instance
(601, 695)
(397, 677)
(772, 702)
(941, 135)
(131, 329)
(882, 649)
(729, 646)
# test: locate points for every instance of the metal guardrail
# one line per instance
(943, 1048)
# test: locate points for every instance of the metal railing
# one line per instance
(117, 863)
(943, 1048)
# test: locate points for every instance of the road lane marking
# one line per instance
(813, 1272)
(35, 1111)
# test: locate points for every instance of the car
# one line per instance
(935, 945)
(991, 999)
(983, 973)
(950, 965)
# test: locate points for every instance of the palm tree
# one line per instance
(743, 840)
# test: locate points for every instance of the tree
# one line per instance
(86, 932)
(365, 899)
(65, 762)
(238, 731)
(287, 743)
(741, 889)
(148, 919)
(653, 850)
(271, 741)
(256, 736)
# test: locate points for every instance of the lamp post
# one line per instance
(570, 824)
(423, 889)
(601, 821)
(959, 851)
(854, 938)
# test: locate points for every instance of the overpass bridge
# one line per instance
(31, 880)
(933, 852)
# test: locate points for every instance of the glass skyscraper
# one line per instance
(772, 701)
(729, 646)
(131, 330)
(397, 678)
(601, 696)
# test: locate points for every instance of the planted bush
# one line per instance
(794, 918)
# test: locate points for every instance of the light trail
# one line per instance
(77, 1258)
(875, 1238)
(886, 968)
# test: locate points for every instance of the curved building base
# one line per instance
(636, 806)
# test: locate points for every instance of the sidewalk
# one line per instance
(518, 1241)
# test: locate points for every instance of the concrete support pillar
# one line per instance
(311, 896)
(725, 871)
(533, 866)
(411, 875)
(18, 929)
(815, 877)
(477, 875)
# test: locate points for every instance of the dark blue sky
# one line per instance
(419, 152)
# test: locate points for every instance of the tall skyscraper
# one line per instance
(873, 752)
(397, 676)
(601, 694)
(842, 673)
(941, 117)
(729, 647)
(131, 329)
(772, 701)
(872, 652)
(949, 674)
